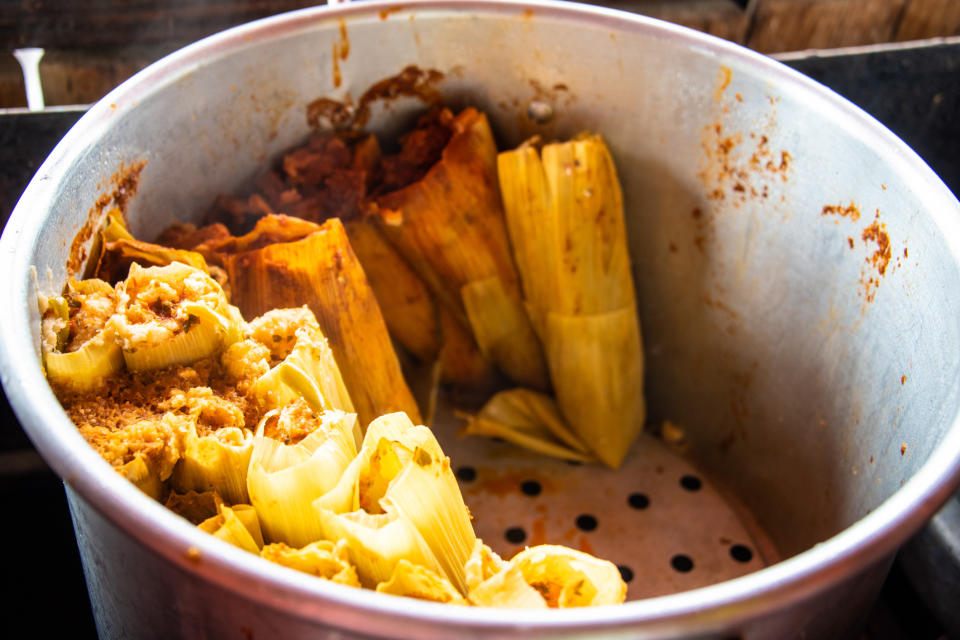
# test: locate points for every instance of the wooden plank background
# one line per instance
(94, 45)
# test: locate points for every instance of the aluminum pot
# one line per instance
(797, 269)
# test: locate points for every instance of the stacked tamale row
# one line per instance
(564, 212)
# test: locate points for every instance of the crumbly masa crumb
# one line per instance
(277, 329)
(159, 441)
(124, 410)
(89, 312)
(244, 362)
(293, 423)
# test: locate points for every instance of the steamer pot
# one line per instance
(797, 269)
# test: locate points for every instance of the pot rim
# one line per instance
(725, 604)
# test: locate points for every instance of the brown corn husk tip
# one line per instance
(286, 262)
(450, 228)
(564, 212)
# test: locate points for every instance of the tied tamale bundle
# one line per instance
(286, 262)
(449, 225)
(564, 210)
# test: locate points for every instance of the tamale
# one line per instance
(237, 525)
(323, 559)
(409, 506)
(427, 330)
(569, 578)
(564, 211)
(450, 227)
(216, 462)
(81, 348)
(415, 581)
(491, 582)
(297, 457)
(175, 314)
(320, 269)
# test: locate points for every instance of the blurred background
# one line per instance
(897, 59)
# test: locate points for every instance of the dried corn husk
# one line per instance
(269, 269)
(564, 211)
(530, 420)
(427, 330)
(237, 525)
(322, 558)
(408, 506)
(450, 228)
(215, 462)
(283, 480)
(415, 581)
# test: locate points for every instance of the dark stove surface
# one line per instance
(914, 91)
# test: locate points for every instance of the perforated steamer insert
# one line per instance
(658, 518)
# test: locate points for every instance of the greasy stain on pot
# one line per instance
(341, 51)
(325, 113)
(120, 189)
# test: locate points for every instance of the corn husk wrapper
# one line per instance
(320, 269)
(491, 582)
(139, 472)
(530, 420)
(564, 210)
(216, 462)
(88, 367)
(569, 578)
(284, 480)
(204, 320)
(415, 581)
(237, 525)
(324, 559)
(427, 330)
(309, 371)
(450, 228)
(408, 506)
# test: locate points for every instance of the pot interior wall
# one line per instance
(794, 288)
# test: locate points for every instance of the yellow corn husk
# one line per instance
(564, 211)
(450, 228)
(320, 269)
(237, 525)
(197, 320)
(569, 578)
(427, 330)
(138, 472)
(408, 506)
(88, 367)
(426, 495)
(309, 370)
(284, 480)
(415, 581)
(503, 331)
(491, 582)
(216, 462)
(118, 255)
(599, 373)
(530, 420)
(323, 559)
(115, 227)
(194, 506)
(377, 542)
